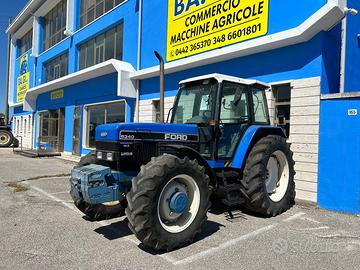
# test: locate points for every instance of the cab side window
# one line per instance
(234, 107)
(260, 108)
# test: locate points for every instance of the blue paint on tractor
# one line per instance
(216, 164)
(247, 139)
(98, 184)
(178, 202)
(112, 132)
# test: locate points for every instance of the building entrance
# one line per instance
(51, 130)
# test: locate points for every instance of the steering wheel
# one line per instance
(203, 118)
(207, 114)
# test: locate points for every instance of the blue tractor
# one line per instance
(6, 136)
(219, 145)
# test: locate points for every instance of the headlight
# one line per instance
(109, 156)
(99, 155)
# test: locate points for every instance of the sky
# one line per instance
(8, 9)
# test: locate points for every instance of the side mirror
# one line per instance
(237, 98)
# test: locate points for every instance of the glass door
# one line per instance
(76, 131)
(51, 132)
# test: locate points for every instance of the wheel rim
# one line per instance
(4, 138)
(178, 204)
(277, 178)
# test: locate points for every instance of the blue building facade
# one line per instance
(92, 62)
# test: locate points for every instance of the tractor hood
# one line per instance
(147, 131)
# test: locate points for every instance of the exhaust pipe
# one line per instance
(162, 85)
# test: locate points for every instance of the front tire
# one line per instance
(6, 138)
(98, 211)
(168, 202)
(269, 177)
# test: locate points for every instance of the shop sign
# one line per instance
(58, 94)
(23, 81)
(196, 26)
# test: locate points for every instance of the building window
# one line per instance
(21, 125)
(92, 9)
(29, 128)
(54, 26)
(109, 113)
(25, 127)
(282, 95)
(106, 46)
(17, 126)
(25, 43)
(156, 111)
(56, 68)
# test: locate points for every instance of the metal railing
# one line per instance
(20, 143)
(48, 145)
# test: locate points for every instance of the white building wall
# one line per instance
(271, 105)
(304, 136)
(23, 130)
(147, 110)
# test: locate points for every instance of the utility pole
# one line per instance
(7, 77)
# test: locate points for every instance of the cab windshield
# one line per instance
(196, 103)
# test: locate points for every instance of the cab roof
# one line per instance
(220, 78)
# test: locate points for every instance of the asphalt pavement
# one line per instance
(41, 229)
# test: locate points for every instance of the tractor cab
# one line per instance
(223, 108)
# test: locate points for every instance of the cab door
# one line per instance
(234, 119)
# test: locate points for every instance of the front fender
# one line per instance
(252, 135)
(193, 154)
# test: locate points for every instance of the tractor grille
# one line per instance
(108, 146)
(145, 151)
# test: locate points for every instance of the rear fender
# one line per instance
(184, 151)
(252, 135)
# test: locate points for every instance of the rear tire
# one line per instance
(6, 138)
(99, 211)
(269, 177)
(149, 217)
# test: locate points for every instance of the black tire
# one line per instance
(98, 211)
(6, 138)
(142, 210)
(255, 175)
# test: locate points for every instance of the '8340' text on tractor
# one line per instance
(219, 142)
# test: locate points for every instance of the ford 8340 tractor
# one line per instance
(219, 142)
(6, 136)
